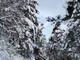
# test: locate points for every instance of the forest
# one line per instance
(22, 37)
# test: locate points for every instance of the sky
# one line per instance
(50, 8)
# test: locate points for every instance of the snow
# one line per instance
(17, 57)
(19, 31)
(3, 56)
(57, 31)
(7, 52)
(67, 25)
(29, 22)
(32, 57)
(29, 42)
(28, 34)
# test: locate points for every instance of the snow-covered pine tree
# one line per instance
(40, 49)
(68, 48)
(55, 42)
(72, 37)
(19, 28)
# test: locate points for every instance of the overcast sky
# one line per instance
(50, 8)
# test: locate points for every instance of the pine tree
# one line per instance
(65, 47)
(72, 37)
(18, 22)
